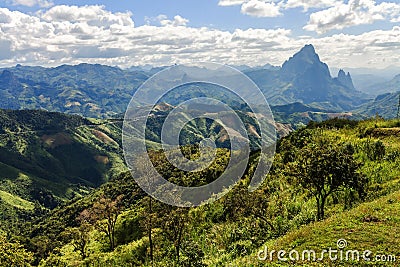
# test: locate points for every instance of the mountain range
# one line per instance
(100, 91)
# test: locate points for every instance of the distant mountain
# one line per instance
(103, 91)
(304, 78)
(386, 73)
(384, 105)
(89, 90)
(368, 80)
(345, 80)
(365, 81)
(390, 86)
(248, 68)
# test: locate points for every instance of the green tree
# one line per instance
(13, 254)
(324, 167)
(175, 221)
(80, 235)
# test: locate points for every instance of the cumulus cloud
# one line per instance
(163, 20)
(177, 21)
(355, 12)
(257, 8)
(71, 35)
(31, 3)
(273, 8)
(307, 4)
(91, 15)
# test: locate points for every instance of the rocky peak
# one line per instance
(304, 60)
(345, 79)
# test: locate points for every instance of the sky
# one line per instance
(345, 33)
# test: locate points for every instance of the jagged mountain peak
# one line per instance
(308, 49)
(345, 79)
(303, 60)
(307, 54)
(341, 73)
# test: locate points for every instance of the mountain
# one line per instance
(345, 80)
(89, 90)
(103, 91)
(370, 80)
(241, 224)
(304, 78)
(385, 105)
(49, 157)
(389, 86)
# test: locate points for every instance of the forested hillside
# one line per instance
(119, 225)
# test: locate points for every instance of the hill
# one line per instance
(385, 105)
(370, 227)
(281, 214)
(48, 157)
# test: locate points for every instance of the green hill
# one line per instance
(372, 226)
(231, 231)
(49, 158)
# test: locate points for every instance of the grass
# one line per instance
(16, 201)
(373, 226)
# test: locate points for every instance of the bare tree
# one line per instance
(104, 215)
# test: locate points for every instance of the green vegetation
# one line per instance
(16, 201)
(330, 180)
(49, 158)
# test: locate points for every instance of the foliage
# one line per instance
(324, 167)
(230, 230)
(13, 254)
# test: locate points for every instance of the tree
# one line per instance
(240, 202)
(145, 170)
(81, 235)
(175, 221)
(104, 215)
(13, 254)
(324, 167)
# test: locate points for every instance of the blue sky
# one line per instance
(346, 33)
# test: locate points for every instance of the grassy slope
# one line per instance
(371, 226)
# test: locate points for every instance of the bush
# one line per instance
(374, 150)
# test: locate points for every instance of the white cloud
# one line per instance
(307, 4)
(355, 12)
(272, 8)
(92, 15)
(31, 3)
(257, 8)
(177, 21)
(162, 20)
(70, 35)
(231, 2)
